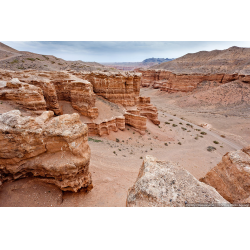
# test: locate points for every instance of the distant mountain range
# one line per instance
(157, 60)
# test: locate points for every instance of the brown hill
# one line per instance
(230, 61)
(12, 59)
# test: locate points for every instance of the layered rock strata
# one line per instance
(171, 82)
(53, 149)
(26, 95)
(137, 122)
(104, 128)
(117, 87)
(165, 184)
(231, 177)
(147, 109)
(57, 86)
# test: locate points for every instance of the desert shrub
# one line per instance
(15, 61)
(215, 142)
(203, 133)
(180, 123)
(117, 140)
(174, 125)
(210, 148)
(31, 59)
(94, 140)
(167, 122)
(46, 57)
(179, 143)
(183, 128)
(171, 120)
(223, 136)
(165, 144)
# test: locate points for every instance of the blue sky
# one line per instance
(111, 51)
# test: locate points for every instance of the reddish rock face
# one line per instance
(137, 122)
(122, 87)
(54, 150)
(171, 82)
(231, 177)
(147, 109)
(26, 95)
(104, 128)
(59, 86)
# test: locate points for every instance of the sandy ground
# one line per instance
(116, 159)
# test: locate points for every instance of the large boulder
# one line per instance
(165, 184)
(231, 177)
(54, 149)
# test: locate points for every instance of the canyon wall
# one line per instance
(53, 149)
(117, 87)
(171, 82)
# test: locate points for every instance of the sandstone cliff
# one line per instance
(231, 177)
(165, 184)
(120, 87)
(172, 82)
(54, 150)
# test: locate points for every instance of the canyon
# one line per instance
(76, 135)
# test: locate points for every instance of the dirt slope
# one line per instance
(231, 60)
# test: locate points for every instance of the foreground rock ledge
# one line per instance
(54, 149)
(165, 184)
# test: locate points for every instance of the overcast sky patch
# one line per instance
(98, 51)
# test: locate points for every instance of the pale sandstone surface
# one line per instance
(165, 184)
(231, 177)
(52, 149)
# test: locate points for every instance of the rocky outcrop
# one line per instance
(49, 93)
(104, 128)
(59, 86)
(53, 149)
(165, 184)
(137, 122)
(147, 109)
(231, 177)
(117, 87)
(26, 95)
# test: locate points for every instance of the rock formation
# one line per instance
(117, 87)
(172, 82)
(26, 95)
(163, 184)
(137, 122)
(231, 177)
(104, 128)
(81, 88)
(54, 150)
(147, 109)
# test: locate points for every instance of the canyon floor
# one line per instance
(116, 158)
